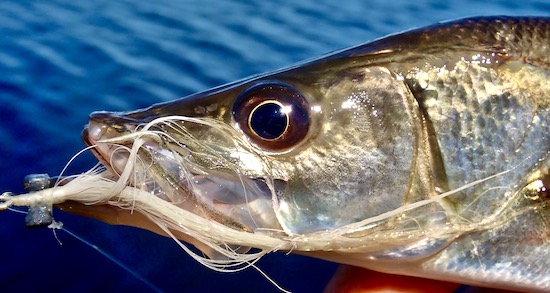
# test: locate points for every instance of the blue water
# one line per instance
(61, 60)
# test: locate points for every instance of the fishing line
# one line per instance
(59, 226)
(17, 211)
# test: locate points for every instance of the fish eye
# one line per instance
(273, 115)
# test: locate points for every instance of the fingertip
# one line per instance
(349, 279)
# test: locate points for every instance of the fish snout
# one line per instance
(103, 127)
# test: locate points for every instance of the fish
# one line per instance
(425, 153)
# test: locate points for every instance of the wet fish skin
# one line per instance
(491, 114)
(401, 120)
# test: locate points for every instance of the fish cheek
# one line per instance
(360, 163)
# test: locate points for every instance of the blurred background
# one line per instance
(60, 60)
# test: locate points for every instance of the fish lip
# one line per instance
(105, 125)
(90, 136)
(85, 135)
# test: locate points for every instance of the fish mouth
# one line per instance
(168, 168)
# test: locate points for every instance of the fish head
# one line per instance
(308, 149)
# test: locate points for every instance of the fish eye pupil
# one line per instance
(273, 116)
(268, 120)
